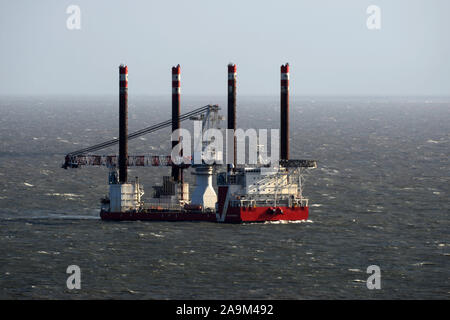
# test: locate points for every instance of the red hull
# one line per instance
(261, 214)
(234, 215)
(158, 216)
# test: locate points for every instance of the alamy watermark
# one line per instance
(209, 146)
(73, 22)
(374, 280)
(374, 19)
(74, 280)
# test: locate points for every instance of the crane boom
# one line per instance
(132, 161)
(70, 157)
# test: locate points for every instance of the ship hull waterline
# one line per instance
(233, 215)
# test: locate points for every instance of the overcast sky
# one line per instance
(327, 43)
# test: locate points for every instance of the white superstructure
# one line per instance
(204, 193)
(126, 196)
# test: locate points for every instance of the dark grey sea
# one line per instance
(380, 196)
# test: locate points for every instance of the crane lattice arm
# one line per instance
(77, 158)
(111, 161)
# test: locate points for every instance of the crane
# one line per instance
(80, 157)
